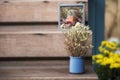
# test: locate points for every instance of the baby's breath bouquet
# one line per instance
(77, 39)
(107, 62)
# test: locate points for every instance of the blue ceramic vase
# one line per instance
(76, 65)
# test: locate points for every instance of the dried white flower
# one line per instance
(77, 38)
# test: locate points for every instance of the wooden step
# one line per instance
(43, 70)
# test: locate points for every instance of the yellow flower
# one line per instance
(93, 57)
(98, 56)
(105, 60)
(103, 43)
(113, 44)
(115, 65)
(116, 57)
(111, 60)
(99, 61)
(108, 45)
(113, 48)
(117, 60)
(106, 52)
(101, 49)
(111, 54)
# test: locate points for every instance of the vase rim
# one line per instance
(76, 57)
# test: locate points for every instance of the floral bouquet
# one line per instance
(107, 62)
(77, 40)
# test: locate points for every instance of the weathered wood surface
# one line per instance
(31, 10)
(31, 40)
(6, 29)
(33, 44)
(42, 70)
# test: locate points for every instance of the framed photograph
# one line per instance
(69, 14)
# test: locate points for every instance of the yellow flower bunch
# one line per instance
(107, 61)
(108, 46)
(112, 60)
(108, 55)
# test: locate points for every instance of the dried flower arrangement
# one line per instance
(76, 39)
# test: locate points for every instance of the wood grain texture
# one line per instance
(31, 40)
(42, 70)
(36, 44)
(27, 28)
(31, 45)
(30, 10)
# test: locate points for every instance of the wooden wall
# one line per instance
(30, 10)
(47, 44)
(28, 28)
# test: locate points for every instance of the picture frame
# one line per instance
(69, 14)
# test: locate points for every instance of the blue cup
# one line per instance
(76, 65)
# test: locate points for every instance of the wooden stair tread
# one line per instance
(42, 70)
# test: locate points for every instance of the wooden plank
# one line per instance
(14, 29)
(67, 1)
(32, 45)
(31, 32)
(30, 10)
(39, 44)
(43, 70)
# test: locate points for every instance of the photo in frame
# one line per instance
(69, 14)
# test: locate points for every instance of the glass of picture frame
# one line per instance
(69, 14)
